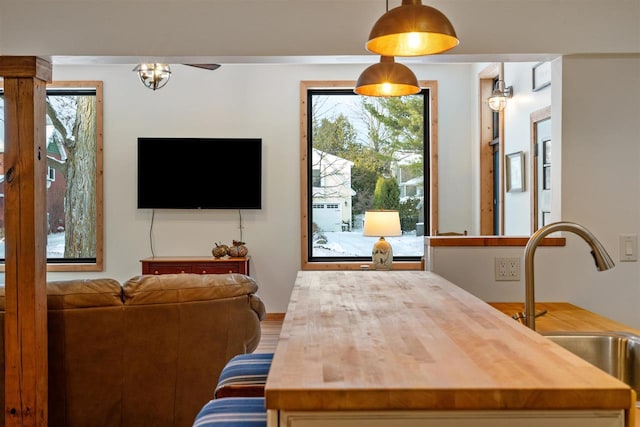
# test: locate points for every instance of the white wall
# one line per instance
(517, 137)
(517, 115)
(455, 154)
(601, 173)
(235, 101)
(600, 156)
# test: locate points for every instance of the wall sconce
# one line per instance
(153, 76)
(382, 223)
(412, 29)
(498, 99)
(387, 78)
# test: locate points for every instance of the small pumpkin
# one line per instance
(238, 249)
(220, 250)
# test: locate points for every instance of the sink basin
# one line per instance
(616, 353)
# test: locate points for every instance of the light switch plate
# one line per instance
(628, 247)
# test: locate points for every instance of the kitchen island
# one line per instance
(408, 348)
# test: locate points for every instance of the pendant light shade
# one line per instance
(387, 78)
(412, 29)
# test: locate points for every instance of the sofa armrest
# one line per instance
(258, 306)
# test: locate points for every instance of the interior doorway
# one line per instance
(491, 151)
(541, 162)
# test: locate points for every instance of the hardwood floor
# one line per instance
(270, 326)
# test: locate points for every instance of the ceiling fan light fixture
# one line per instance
(153, 76)
(412, 29)
(387, 78)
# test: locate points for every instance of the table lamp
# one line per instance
(382, 223)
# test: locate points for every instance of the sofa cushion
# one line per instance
(233, 412)
(174, 288)
(245, 375)
(79, 293)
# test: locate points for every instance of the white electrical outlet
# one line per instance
(507, 269)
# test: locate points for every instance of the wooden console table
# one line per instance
(197, 265)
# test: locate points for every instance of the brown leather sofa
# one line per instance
(146, 353)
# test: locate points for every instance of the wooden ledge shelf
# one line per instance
(489, 241)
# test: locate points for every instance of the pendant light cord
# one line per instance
(240, 220)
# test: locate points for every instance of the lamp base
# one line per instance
(382, 255)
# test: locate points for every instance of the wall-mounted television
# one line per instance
(200, 173)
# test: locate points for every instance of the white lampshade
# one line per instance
(382, 223)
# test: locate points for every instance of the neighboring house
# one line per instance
(411, 182)
(412, 188)
(56, 189)
(56, 185)
(332, 192)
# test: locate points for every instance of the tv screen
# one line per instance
(200, 173)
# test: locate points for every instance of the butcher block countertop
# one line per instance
(405, 340)
(563, 317)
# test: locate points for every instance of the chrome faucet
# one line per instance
(600, 255)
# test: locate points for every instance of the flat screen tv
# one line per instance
(200, 173)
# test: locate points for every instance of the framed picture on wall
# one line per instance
(541, 75)
(515, 172)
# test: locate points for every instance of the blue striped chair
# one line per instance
(233, 412)
(244, 376)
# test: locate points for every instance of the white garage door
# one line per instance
(328, 216)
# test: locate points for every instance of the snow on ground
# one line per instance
(55, 249)
(353, 243)
(55, 246)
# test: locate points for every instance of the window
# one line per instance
(74, 176)
(364, 153)
(315, 178)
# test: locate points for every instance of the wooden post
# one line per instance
(25, 328)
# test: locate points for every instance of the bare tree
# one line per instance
(76, 135)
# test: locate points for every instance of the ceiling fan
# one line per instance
(210, 67)
(155, 75)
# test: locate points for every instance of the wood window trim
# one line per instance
(489, 241)
(98, 265)
(305, 85)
